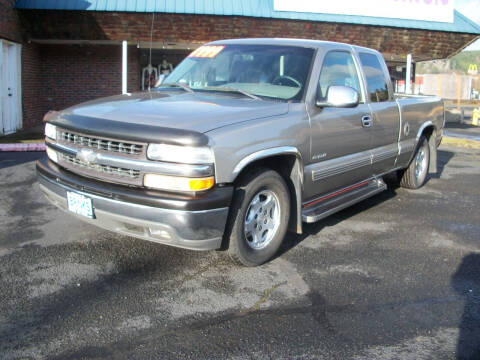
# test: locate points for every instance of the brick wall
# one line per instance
(76, 73)
(33, 106)
(9, 21)
(133, 70)
(202, 28)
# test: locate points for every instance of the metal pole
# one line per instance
(459, 90)
(124, 67)
(408, 87)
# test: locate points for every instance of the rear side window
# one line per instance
(338, 69)
(376, 82)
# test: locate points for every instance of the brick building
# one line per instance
(58, 53)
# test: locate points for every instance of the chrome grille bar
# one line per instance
(68, 137)
(105, 169)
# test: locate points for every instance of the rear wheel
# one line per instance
(416, 173)
(259, 217)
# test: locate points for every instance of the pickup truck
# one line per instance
(245, 140)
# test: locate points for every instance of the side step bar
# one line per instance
(326, 205)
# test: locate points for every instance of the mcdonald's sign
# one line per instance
(473, 69)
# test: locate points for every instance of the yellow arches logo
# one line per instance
(473, 69)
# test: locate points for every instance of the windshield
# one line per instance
(277, 72)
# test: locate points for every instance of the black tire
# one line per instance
(241, 245)
(416, 174)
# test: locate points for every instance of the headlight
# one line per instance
(180, 154)
(177, 183)
(52, 155)
(51, 131)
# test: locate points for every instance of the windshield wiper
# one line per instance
(231, 89)
(179, 85)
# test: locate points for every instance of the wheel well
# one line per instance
(288, 166)
(428, 131)
(283, 164)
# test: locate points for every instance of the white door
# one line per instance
(10, 87)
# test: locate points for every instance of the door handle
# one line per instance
(9, 94)
(366, 121)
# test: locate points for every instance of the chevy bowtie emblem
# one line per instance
(87, 156)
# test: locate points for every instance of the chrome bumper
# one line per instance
(196, 230)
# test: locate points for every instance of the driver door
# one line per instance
(340, 142)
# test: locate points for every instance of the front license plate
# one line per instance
(80, 204)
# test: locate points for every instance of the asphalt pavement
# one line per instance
(394, 277)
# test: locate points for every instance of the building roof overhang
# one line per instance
(250, 8)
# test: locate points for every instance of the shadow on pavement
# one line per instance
(8, 159)
(466, 282)
(293, 240)
(443, 158)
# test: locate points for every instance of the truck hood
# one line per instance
(198, 112)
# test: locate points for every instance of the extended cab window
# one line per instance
(376, 82)
(338, 69)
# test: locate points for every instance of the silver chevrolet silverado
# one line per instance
(243, 141)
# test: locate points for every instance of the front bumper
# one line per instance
(196, 223)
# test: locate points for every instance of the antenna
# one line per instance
(151, 44)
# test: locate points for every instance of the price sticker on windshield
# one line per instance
(207, 51)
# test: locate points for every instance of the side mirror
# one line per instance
(340, 97)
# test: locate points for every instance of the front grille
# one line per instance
(113, 147)
(98, 170)
(106, 145)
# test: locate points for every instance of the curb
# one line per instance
(23, 147)
(459, 142)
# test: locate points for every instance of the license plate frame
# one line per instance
(80, 204)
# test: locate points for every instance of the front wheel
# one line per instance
(259, 217)
(416, 174)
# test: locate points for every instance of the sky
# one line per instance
(471, 9)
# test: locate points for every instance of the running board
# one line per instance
(325, 206)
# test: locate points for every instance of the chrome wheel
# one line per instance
(262, 219)
(415, 175)
(420, 163)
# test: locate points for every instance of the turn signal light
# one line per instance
(177, 183)
(201, 184)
